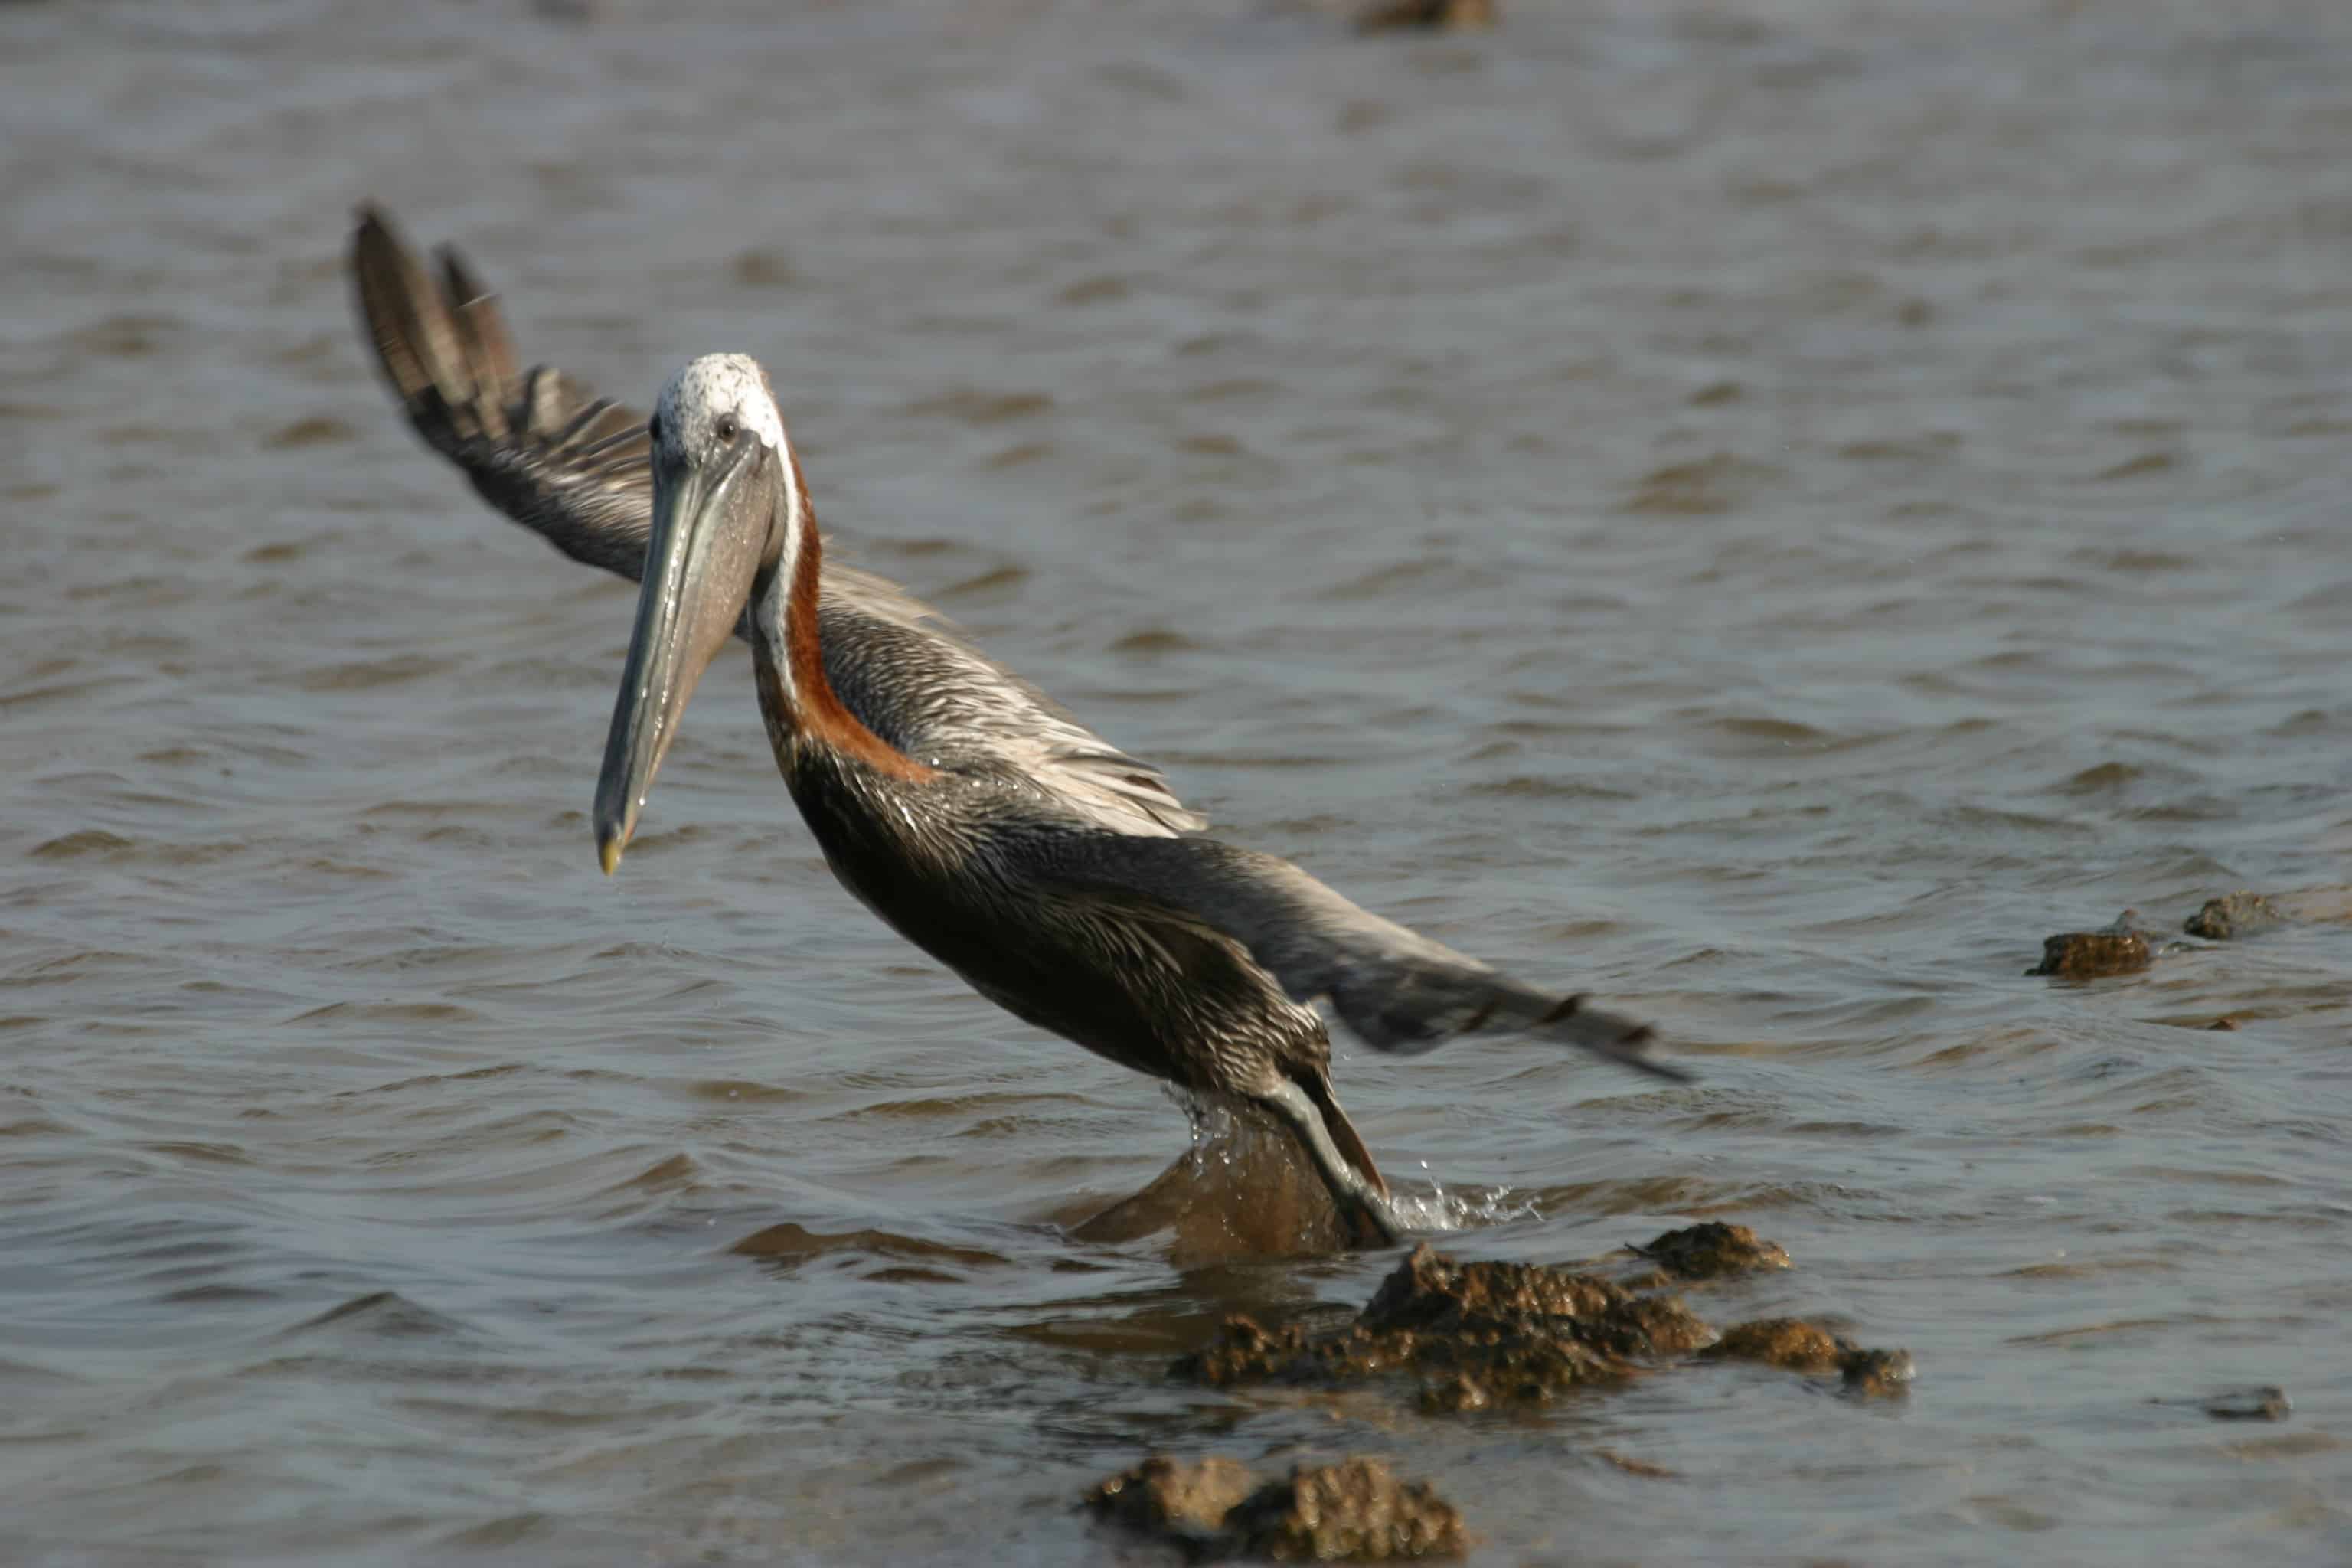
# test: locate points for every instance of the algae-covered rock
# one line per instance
(1430, 1289)
(1800, 1346)
(1517, 1369)
(1791, 1343)
(1244, 1350)
(1482, 1335)
(1478, 1334)
(1355, 1510)
(1177, 1498)
(1713, 1250)
(2087, 954)
(1653, 1326)
(1433, 1293)
(2234, 915)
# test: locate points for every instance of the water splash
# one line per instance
(1461, 1208)
(1226, 1133)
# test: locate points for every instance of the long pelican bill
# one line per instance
(700, 560)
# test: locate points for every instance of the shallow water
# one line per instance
(1761, 509)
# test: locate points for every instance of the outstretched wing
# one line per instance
(576, 469)
(1396, 990)
(568, 465)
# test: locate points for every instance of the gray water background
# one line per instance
(1762, 509)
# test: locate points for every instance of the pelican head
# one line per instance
(726, 504)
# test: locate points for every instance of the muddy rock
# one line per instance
(1482, 1335)
(1476, 1334)
(1712, 1250)
(2087, 954)
(2235, 915)
(1433, 1293)
(1791, 1343)
(2120, 948)
(1353, 1511)
(1485, 1365)
(1174, 1499)
(1430, 1289)
(1651, 1326)
(1519, 1375)
(1800, 1346)
(1244, 1350)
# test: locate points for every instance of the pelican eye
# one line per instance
(729, 427)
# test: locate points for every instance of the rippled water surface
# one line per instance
(1764, 508)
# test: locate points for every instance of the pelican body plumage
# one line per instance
(1059, 877)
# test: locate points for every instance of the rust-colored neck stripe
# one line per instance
(815, 709)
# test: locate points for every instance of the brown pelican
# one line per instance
(1059, 877)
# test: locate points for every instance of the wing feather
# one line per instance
(1394, 989)
(575, 469)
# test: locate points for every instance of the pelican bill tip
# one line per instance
(608, 854)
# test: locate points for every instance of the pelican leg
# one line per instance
(1363, 1204)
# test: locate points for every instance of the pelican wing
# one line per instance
(576, 469)
(915, 681)
(1396, 990)
(570, 466)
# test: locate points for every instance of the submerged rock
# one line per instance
(1433, 1293)
(2266, 1403)
(1246, 1351)
(1353, 1511)
(1176, 1500)
(1712, 1250)
(2234, 915)
(2120, 948)
(1791, 1343)
(1478, 1334)
(1800, 1346)
(1463, 1368)
(1878, 1372)
(1430, 1289)
(2127, 946)
(1653, 1326)
(1435, 15)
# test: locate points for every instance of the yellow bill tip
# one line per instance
(608, 854)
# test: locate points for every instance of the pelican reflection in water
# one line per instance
(1060, 877)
